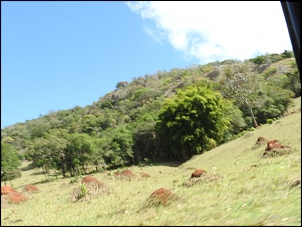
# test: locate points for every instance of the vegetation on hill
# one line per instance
(131, 125)
(241, 187)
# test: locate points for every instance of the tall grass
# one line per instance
(240, 188)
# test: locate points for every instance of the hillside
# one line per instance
(240, 188)
(120, 129)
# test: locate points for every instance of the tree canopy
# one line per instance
(9, 163)
(193, 121)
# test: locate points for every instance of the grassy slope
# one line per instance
(246, 189)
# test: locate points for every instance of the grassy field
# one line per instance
(240, 188)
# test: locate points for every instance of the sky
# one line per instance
(56, 55)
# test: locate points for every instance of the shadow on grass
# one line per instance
(50, 178)
(170, 164)
(30, 166)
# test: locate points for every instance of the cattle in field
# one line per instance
(198, 173)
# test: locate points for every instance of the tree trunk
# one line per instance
(63, 167)
(254, 122)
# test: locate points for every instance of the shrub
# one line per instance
(269, 121)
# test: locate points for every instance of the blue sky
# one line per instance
(56, 55)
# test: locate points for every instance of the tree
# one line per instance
(121, 144)
(9, 163)
(192, 122)
(47, 152)
(242, 85)
(294, 82)
(79, 152)
(56, 146)
(121, 84)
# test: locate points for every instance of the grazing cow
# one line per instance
(198, 173)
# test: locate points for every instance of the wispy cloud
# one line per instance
(215, 30)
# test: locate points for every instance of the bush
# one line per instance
(269, 121)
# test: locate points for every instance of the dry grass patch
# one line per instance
(4, 201)
(277, 152)
(205, 178)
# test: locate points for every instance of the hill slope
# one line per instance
(240, 188)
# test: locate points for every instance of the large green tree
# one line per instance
(9, 163)
(79, 153)
(193, 121)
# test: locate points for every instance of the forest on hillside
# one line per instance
(161, 117)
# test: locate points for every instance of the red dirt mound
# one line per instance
(162, 195)
(198, 173)
(127, 173)
(31, 188)
(273, 141)
(91, 180)
(271, 146)
(261, 140)
(143, 174)
(16, 197)
(5, 189)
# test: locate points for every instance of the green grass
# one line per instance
(241, 188)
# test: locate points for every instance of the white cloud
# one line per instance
(215, 30)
